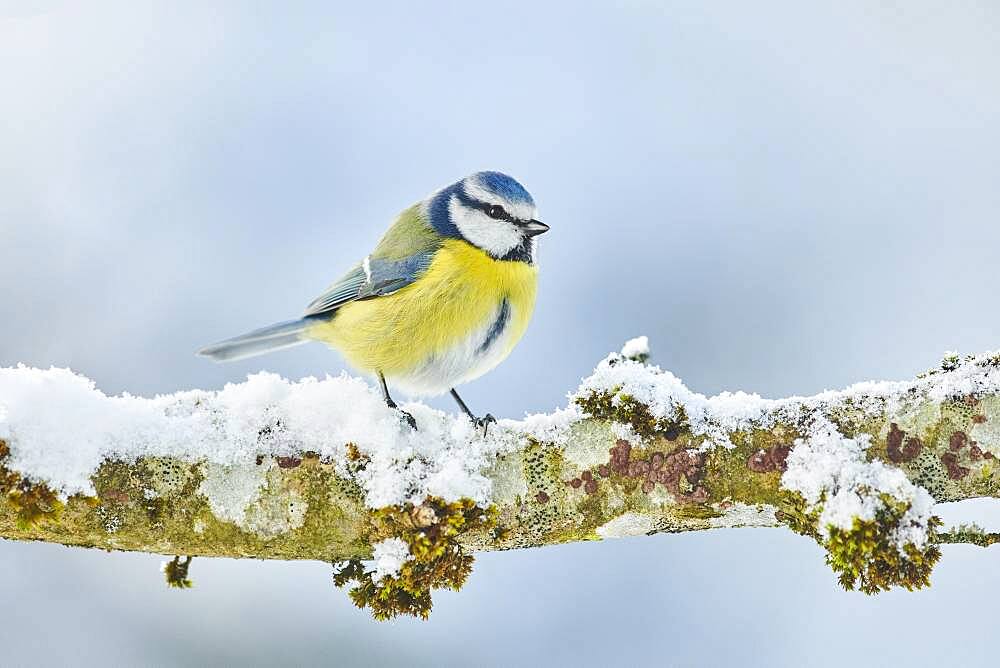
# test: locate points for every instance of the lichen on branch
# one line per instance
(321, 469)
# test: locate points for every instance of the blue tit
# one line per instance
(443, 298)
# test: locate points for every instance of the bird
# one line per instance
(443, 298)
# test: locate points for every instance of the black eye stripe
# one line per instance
(497, 212)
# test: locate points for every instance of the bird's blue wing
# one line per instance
(374, 277)
(401, 256)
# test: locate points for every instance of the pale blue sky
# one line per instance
(784, 197)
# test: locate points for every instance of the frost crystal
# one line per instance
(637, 348)
(231, 489)
(389, 555)
(830, 472)
(60, 427)
(667, 397)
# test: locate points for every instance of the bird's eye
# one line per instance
(495, 211)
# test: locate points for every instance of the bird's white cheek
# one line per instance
(497, 237)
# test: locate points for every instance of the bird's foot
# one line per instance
(408, 419)
(403, 414)
(483, 422)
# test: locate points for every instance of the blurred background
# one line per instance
(784, 198)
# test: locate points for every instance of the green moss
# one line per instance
(797, 516)
(968, 534)
(866, 556)
(32, 502)
(625, 409)
(437, 560)
(176, 573)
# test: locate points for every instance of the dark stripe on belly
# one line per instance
(496, 329)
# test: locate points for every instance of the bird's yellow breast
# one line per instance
(457, 297)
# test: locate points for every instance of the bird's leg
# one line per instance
(483, 422)
(392, 404)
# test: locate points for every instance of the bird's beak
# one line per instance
(533, 228)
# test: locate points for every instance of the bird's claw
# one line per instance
(484, 422)
(408, 419)
(403, 414)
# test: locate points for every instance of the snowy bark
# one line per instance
(278, 470)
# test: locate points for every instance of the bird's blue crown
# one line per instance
(503, 186)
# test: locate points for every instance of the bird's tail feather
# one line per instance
(258, 342)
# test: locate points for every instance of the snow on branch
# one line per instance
(321, 469)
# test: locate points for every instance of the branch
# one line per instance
(321, 469)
